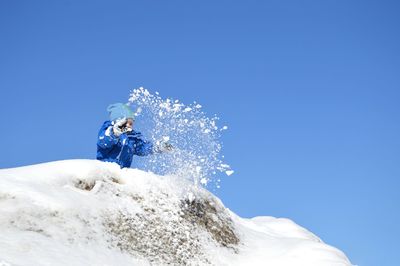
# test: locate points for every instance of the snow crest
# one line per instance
(86, 212)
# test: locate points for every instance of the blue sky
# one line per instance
(310, 91)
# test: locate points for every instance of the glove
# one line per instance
(164, 146)
(119, 129)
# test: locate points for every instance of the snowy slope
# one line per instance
(85, 212)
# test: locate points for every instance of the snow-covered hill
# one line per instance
(85, 212)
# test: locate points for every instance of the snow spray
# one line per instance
(195, 136)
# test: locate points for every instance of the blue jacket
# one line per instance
(121, 149)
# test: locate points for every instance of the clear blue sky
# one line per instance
(310, 91)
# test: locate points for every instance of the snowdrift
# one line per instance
(86, 212)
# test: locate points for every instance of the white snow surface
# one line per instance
(87, 212)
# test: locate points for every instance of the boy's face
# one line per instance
(129, 123)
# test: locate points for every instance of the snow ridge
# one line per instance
(86, 212)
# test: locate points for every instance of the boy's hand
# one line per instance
(168, 146)
(164, 146)
(117, 128)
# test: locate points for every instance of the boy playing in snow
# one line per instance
(118, 142)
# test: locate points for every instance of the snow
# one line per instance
(87, 212)
(204, 181)
(229, 172)
(108, 131)
(194, 135)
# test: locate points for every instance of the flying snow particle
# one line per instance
(229, 172)
(204, 181)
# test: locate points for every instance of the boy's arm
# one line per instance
(143, 147)
(107, 138)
